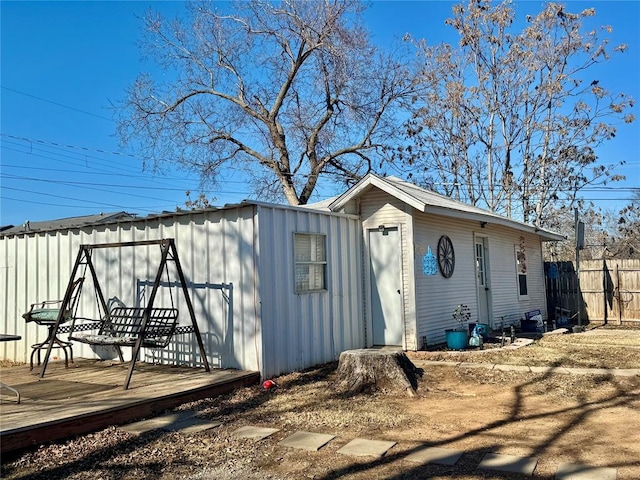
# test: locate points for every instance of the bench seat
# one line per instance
(135, 327)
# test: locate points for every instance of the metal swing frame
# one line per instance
(169, 253)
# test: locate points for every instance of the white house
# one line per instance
(492, 264)
(278, 288)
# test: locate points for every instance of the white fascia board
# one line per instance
(372, 180)
(546, 235)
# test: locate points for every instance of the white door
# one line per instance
(386, 286)
(481, 282)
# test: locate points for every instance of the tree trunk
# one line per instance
(377, 370)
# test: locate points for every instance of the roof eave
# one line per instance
(378, 182)
(546, 235)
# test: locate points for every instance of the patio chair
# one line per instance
(46, 314)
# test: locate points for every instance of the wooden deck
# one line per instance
(88, 396)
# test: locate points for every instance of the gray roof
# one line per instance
(432, 202)
(66, 223)
(122, 217)
(321, 205)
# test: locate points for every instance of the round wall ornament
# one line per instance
(446, 256)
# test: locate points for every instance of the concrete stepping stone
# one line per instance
(360, 447)
(192, 425)
(512, 368)
(156, 423)
(570, 471)
(437, 455)
(307, 440)
(254, 433)
(509, 463)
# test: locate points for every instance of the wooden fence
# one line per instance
(610, 290)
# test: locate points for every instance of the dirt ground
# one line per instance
(590, 419)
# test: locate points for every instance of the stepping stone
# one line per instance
(440, 456)
(569, 471)
(156, 423)
(192, 425)
(254, 433)
(509, 463)
(359, 447)
(307, 441)
(512, 368)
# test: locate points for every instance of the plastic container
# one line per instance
(483, 329)
(529, 325)
(457, 339)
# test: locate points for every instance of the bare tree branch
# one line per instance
(293, 90)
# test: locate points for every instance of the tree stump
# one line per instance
(377, 370)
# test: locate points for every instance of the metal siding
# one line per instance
(302, 330)
(210, 248)
(272, 329)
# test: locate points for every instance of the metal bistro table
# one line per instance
(10, 338)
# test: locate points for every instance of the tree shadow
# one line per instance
(105, 458)
(580, 412)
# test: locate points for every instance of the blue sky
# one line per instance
(64, 63)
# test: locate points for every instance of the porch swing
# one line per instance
(121, 326)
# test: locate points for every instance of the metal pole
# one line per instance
(605, 282)
(619, 295)
(578, 296)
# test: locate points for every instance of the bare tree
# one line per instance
(288, 92)
(525, 109)
(625, 230)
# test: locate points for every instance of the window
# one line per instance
(310, 262)
(480, 265)
(521, 270)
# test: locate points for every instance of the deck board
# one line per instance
(89, 396)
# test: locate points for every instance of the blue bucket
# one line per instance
(457, 339)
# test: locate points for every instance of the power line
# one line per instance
(75, 157)
(57, 103)
(84, 200)
(102, 174)
(80, 159)
(150, 210)
(61, 145)
(94, 188)
(97, 171)
(92, 185)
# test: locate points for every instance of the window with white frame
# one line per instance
(521, 269)
(310, 256)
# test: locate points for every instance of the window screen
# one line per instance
(521, 271)
(310, 262)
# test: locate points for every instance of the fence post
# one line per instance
(578, 246)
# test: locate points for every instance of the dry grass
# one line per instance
(311, 399)
(9, 363)
(475, 410)
(592, 349)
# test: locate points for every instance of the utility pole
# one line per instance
(579, 229)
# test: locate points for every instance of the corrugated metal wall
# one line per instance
(305, 329)
(37, 266)
(226, 265)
